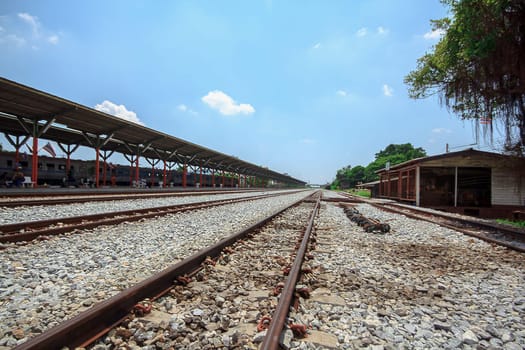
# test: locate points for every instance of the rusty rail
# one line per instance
(271, 341)
(35, 229)
(82, 197)
(89, 325)
(424, 216)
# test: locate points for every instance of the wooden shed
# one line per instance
(468, 182)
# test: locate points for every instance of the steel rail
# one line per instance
(101, 197)
(271, 340)
(11, 232)
(515, 232)
(488, 225)
(508, 231)
(91, 324)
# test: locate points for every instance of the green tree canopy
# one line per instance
(349, 177)
(478, 67)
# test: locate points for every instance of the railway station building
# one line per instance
(28, 114)
(469, 182)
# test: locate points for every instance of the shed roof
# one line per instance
(464, 153)
(75, 124)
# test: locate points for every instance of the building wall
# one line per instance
(508, 178)
(508, 187)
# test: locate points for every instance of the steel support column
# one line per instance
(35, 130)
(97, 142)
(131, 160)
(16, 144)
(184, 174)
(104, 155)
(164, 175)
(66, 148)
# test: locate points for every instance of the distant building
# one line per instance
(468, 182)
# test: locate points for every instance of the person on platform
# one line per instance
(18, 177)
(3, 179)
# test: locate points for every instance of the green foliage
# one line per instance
(360, 193)
(512, 223)
(349, 177)
(476, 68)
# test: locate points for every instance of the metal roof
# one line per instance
(470, 152)
(77, 124)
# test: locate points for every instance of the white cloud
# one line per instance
(183, 108)
(226, 105)
(53, 39)
(434, 34)
(25, 30)
(387, 90)
(308, 141)
(362, 32)
(317, 46)
(341, 93)
(31, 20)
(382, 31)
(118, 111)
(13, 39)
(441, 131)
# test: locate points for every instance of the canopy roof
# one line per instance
(71, 123)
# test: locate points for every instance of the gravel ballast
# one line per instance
(419, 287)
(44, 283)
(11, 215)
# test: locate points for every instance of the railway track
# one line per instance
(498, 234)
(421, 285)
(32, 199)
(241, 291)
(504, 235)
(31, 230)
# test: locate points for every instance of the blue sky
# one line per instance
(303, 87)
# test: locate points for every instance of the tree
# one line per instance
(349, 177)
(395, 154)
(478, 67)
(341, 178)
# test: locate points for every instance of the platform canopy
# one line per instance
(22, 107)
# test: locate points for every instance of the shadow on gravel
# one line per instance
(421, 272)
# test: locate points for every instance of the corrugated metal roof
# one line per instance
(464, 153)
(73, 122)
